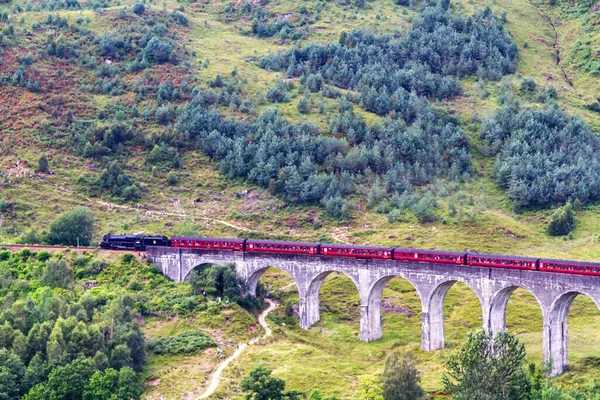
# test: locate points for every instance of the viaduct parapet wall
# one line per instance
(554, 292)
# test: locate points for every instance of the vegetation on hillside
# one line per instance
(103, 89)
(415, 143)
(60, 344)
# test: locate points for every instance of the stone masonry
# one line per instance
(493, 286)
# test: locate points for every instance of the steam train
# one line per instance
(140, 242)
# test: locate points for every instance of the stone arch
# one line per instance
(496, 317)
(309, 301)
(190, 262)
(556, 333)
(254, 277)
(433, 314)
(196, 267)
(370, 317)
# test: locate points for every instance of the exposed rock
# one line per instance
(388, 307)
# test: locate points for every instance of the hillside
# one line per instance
(282, 119)
(104, 107)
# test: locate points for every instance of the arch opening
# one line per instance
(337, 295)
(516, 309)
(394, 302)
(453, 302)
(584, 313)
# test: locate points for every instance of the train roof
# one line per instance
(456, 253)
(570, 262)
(132, 236)
(206, 238)
(352, 246)
(504, 257)
(281, 242)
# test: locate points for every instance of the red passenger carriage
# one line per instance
(207, 243)
(341, 250)
(500, 261)
(434, 256)
(569, 267)
(272, 246)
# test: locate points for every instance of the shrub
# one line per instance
(172, 178)
(528, 86)
(303, 106)
(57, 274)
(43, 163)
(278, 92)
(184, 343)
(139, 8)
(562, 221)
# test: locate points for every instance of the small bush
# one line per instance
(127, 258)
(43, 163)
(185, 343)
(139, 8)
(172, 178)
(95, 267)
(562, 221)
(43, 255)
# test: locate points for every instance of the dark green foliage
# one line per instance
(34, 374)
(119, 184)
(53, 340)
(562, 221)
(270, 148)
(487, 367)
(219, 280)
(172, 178)
(43, 163)
(261, 385)
(424, 209)
(385, 70)
(400, 379)
(223, 281)
(415, 144)
(539, 152)
(179, 18)
(72, 228)
(11, 372)
(528, 86)
(303, 106)
(31, 237)
(67, 382)
(139, 8)
(57, 273)
(278, 92)
(189, 342)
(267, 23)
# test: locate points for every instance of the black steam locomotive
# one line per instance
(132, 242)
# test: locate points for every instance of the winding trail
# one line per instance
(217, 375)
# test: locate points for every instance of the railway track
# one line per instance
(80, 249)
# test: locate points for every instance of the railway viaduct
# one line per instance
(554, 291)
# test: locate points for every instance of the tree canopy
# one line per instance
(544, 155)
(487, 366)
(72, 228)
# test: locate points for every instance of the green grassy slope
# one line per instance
(331, 356)
(335, 357)
(222, 211)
